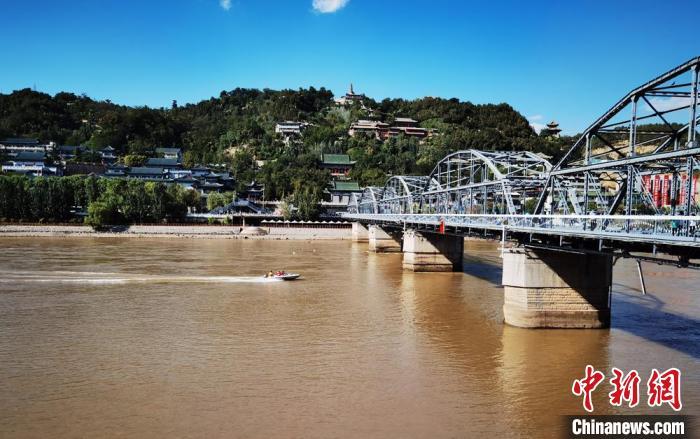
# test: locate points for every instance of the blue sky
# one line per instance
(564, 60)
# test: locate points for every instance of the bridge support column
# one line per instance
(359, 232)
(551, 289)
(432, 252)
(382, 242)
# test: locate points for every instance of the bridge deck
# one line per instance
(677, 231)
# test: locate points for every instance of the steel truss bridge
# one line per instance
(627, 184)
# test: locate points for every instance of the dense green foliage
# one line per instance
(108, 201)
(307, 203)
(237, 128)
(134, 159)
(103, 213)
(44, 199)
(216, 199)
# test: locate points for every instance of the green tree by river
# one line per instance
(107, 201)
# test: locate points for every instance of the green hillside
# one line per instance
(237, 128)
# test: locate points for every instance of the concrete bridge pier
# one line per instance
(359, 232)
(432, 252)
(555, 289)
(381, 241)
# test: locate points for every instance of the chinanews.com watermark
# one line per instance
(663, 388)
(626, 426)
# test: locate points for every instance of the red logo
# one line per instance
(586, 385)
(662, 388)
(665, 388)
(625, 388)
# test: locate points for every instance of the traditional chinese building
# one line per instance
(17, 145)
(169, 164)
(350, 97)
(108, 154)
(170, 153)
(186, 181)
(382, 131)
(254, 191)
(290, 128)
(148, 173)
(116, 170)
(200, 171)
(373, 127)
(70, 152)
(81, 168)
(32, 163)
(341, 190)
(339, 165)
(407, 127)
(340, 193)
(552, 129)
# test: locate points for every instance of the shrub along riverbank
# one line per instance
(107, 201)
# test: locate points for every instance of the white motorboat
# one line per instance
(281, 275)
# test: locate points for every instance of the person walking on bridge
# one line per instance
(594, 223)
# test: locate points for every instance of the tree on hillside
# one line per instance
(134, 159)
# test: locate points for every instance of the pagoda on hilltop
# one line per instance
(350, 97)
(552, 129)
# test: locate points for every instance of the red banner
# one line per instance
(666, 191)
(656, 190)
(684, 179)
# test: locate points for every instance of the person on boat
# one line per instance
(279, 273)
(269, 274)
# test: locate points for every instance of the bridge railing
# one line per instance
(681, 229)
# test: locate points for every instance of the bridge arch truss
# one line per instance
(402, 194)
(640, 154)
(368, 201)
(485, 182)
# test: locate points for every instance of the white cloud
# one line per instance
(537, 126)
(534, 124)
(664, 104)
(328, 6)
(226, 4)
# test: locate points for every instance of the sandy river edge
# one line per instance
(166, 231)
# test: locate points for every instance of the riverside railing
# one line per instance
(678, 229)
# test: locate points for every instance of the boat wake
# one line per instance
(95, 278)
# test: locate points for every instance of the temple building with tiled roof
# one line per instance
(339, 165)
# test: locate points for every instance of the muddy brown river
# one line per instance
(169, 338)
